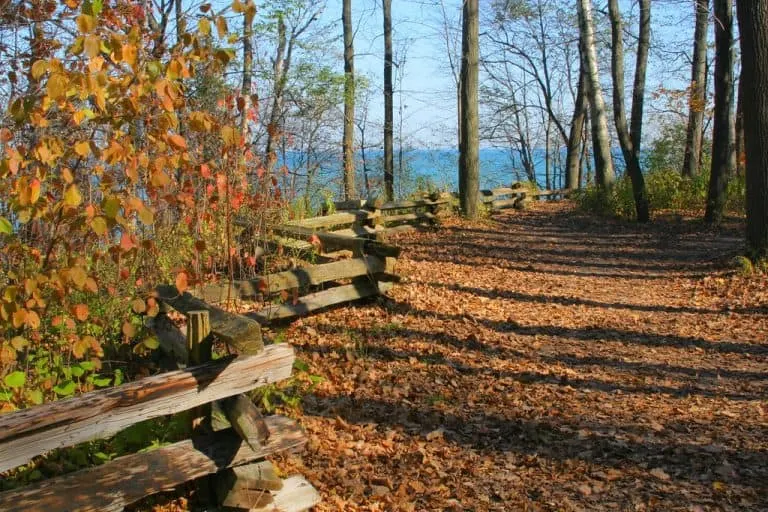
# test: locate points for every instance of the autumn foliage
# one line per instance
(118, 173)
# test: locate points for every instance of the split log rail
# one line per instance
(229, 437)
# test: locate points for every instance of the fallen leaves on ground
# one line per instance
(545, 361)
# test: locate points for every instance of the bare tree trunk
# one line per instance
(601, 139)
(469, 144)
(547, 156)
(278, 72)
(740, 155)
(389, 163)
(179, 20)
(721, 132)
(349, 102)
(753, 27)
(573, 157)
(698, 95)
(245, 89)
(630, 136)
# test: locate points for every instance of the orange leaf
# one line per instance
(177, 141)
(182, 282)
(80, 312)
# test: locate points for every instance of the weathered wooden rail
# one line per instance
(229, 437)
(393, 216)
(517, 196)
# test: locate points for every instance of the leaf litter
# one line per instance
(544, 360)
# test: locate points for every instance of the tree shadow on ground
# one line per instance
(592, 334)
(557, 439)
(554, 376)
(580, 301)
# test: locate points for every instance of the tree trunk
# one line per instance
(389, 162)
(278, 71)
(245, 89)
(573, 157)
(629, 137)
(547, 156)
(349, 102)
(601, 140)
(698, 94)
(721, 132)
(740, 156)
(753, 27)
(469, 145)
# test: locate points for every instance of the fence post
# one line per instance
(199, 347)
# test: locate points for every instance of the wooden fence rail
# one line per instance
(240, 440)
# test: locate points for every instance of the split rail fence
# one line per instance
(229, 438)
(516, 197)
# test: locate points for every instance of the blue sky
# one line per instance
(428, 86)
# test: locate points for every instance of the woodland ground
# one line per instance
(545, 360)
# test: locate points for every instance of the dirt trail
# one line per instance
(546, 361)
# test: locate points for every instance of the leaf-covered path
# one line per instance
(546, 361)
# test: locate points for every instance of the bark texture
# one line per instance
(349, 102)
(389, 162)
(469, 145)
(604, 172)
(753, 26)
(722, 144)
(630, 136)
(573, 156)
(697, 100)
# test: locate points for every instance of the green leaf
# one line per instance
(102, 382)
(77, 371)
(5, 226)
(151, 343)
(5, 396)
(300, 365)
(87, 365)
(15, 379)
(103, 456)
(65, 389)
(118, 377)
(96, 6)
(35, 396)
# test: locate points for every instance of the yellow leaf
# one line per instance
(83, 148)
(57, 86)
(33, 320)
(78, 276)
(204, 26)
(66, 175)
(230, 136)
(92, 45)
(19, 343)
(160, 179)
(19, 317)
(146, 216)
(138, 306)
(99, 225)
(39, 68)
(77, 46)
(72, 196)
(95, 64)
(129, 54)
(91, 285)
(85, 23)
